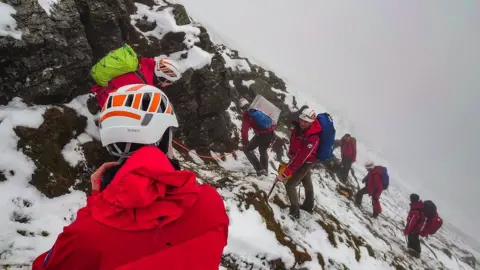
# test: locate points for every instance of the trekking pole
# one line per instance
(271, 190)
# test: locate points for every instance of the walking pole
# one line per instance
(271, 190)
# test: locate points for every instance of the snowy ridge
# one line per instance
(261, 234)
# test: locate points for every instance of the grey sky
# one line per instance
(406, 73)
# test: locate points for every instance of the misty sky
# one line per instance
(405, 73)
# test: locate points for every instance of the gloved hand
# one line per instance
(279, 178)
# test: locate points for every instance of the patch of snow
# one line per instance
(267, 74)
(8, 25)
(231, 83)
(165, 22)
(193, 154)
(248, 237)
(236, 64)
(79, 104)
(72, 152)
(196, 59)
(248, 83)
(235, 117)
(47, 5)
(21, 241)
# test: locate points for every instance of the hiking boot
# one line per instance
(375, 215)
(294, 213)
(262, 172)
(309, 210)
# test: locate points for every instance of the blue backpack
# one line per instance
(385, 178)
(262, 120)
(327, 137)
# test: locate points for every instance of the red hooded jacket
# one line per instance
(303, 146)
(146, 68)
(148, 217)
(247, 123)
(349, 148)
(431, 225)
(374, 182)
(415, 219)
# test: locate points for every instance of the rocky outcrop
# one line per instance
(50, 64)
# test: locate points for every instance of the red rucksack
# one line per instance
(433, 221)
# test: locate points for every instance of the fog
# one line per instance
(405, 73)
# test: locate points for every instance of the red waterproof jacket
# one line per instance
(349, 148)
(431, 225)
(415, 219)
(146, 68)
(148, 217)
(247, 123)
(303, 146)
(374, 182)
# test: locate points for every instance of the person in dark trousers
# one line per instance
(415, 222)
(261, 140)
(348, 146)
(373, 187)
(304, 142)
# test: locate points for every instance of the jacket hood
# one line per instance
(145, 193)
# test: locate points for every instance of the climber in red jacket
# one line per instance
(262, 140)
(143, 212)
(348, 146)
(415, 222)
(304, 142)
(373, 187)
(161, 73)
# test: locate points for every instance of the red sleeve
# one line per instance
(246, 124)
(354, 147)
(411, 221)
(203, 252)
(309, 147)
(68, 252)
(374, 184)
(101, 93)
(148, 68)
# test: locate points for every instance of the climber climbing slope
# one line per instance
(121, 67)
(304, 142)
(264, 128)
(141, 210)
(375, 181)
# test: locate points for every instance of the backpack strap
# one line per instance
(140, 75)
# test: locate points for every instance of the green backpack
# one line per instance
(116, 63)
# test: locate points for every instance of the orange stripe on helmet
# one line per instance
(118, 100)
(134, 88)
(136, 101)
(169, 109)
(155, 102)
(121, 113)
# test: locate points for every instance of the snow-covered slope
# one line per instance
(261, 234)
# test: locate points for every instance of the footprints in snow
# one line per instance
(19, 215)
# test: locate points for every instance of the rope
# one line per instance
(221, 156)
(205, 157)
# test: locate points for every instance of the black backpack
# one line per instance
(429, 209)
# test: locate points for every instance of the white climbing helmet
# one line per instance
(167, 70)
(243, 102)
(369, 165)
(308, 115)
(136, 115)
